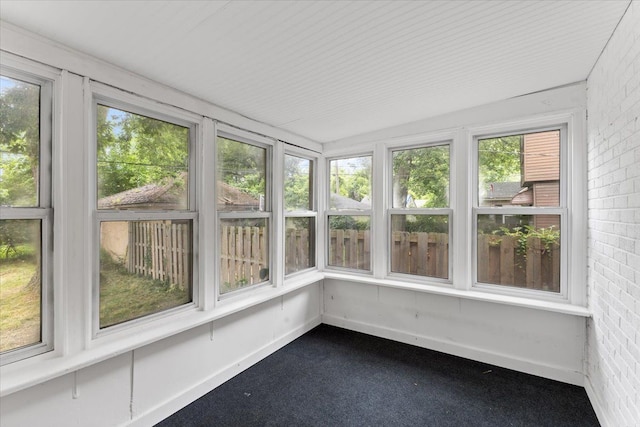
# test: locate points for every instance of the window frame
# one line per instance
(246, 137)
(448, 211)
(329, 212)
(310, 213)
(117, 99)
(48, 81)
(562, 210)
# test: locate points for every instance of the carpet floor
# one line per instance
(335, 377)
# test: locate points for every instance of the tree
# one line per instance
(297, 183)
(499, 159)
(134, 150)
(242, 166)
(19, 142)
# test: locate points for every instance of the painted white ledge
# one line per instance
(32, 371)
(35, 370)
(557, 307)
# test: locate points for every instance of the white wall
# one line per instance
(147, 384)
(613, 369)
(528, 340)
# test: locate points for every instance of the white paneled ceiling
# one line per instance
(332, 69)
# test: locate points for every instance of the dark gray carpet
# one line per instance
(334, 377)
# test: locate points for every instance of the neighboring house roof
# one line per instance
(342, 202)
(502, 190)
(172, 195)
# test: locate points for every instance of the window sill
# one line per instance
(38, 369)
(557, 307)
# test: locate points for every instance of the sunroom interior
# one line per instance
(187, 187)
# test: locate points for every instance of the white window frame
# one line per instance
(329, 212)
(311, 213)
(246, 137)
(111, 97)
(565, 125)
(48, 79)
(425, 143)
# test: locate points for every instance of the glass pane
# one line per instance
(19, 143)
(300, 243)
(298, 184)
(143, 163)
(242, 177)
(20, 283)
(520, 170)
(350, 242)
(350, 183)
(421, 177)
(520, 250)
(145, 268)
(420, 245)
(244, 253)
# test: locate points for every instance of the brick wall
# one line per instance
(613, 335)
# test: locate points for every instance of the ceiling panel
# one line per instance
(332, 69)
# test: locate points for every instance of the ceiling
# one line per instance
(331, 69)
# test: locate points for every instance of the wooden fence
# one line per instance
(350, 249)
(161, 250)
(423, 254)
(244, 256)
(533, 266)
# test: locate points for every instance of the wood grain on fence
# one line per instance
(160, 250)
(350, 249)
(243, 256)
(422, 254)
(502, 260)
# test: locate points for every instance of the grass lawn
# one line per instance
(19, 305)
(125, 296)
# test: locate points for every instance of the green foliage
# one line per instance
(242, 166)
(499, 159)
(298, 173)
(347, 222)
(351, 177)
(426, 223)
(19, 142)
(421, 174)
(135, 150)
(549, 237)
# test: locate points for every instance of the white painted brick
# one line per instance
(613, 353)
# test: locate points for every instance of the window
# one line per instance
(145, 213)
(420, 214)
(349, 215)
(519, 210)
(300, 215)
(244, 213)
(25, 208)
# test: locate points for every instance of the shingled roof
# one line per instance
(172, 195)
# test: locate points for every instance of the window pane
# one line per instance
(520, 250)
(421, 177)
(299, 240)
(20, 283)
(350, 183)
(244, 250)
(242, 176)
(420, 245)
(350, 242)
(19, 143)
(143, 163)
(520, 170)
(145, 267)
(298, 185)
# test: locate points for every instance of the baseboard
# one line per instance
(457, 349)
(596, 403)
(178, 402)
